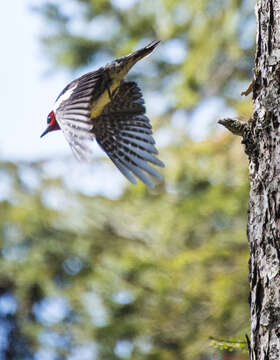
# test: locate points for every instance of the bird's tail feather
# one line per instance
(145, 51)
(126, 62)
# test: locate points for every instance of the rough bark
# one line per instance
(263, 148)
(261, 137)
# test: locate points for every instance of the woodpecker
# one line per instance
(100, 105)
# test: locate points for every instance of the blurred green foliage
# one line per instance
(161, 270)
(155, 273)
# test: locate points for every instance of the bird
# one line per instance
(102, 106)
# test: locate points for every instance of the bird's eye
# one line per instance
(48, 119)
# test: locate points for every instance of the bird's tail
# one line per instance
(145, 51)
(125, 63)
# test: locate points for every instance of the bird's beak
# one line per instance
(45, 132)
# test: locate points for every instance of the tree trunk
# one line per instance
(263, 148)
(261, 136)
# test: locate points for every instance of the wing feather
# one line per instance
(125, 134)
(122, 129)
(73, 114)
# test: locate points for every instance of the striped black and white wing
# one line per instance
(72, 110)
(125, 134)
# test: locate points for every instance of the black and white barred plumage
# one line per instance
(101, 105)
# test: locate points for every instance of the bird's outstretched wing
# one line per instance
(125, 134)
(82, 103)
(72, 111)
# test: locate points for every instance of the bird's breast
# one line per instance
(99, 103)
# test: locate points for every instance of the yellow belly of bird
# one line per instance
(103, 100)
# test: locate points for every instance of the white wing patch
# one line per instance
(64, 97)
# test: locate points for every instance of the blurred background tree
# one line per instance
(150, 274)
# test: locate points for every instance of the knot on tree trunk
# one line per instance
(236, 126)
(243, 129)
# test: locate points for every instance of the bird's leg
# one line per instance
(109, 92)
(108, 86)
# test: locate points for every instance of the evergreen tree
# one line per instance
(152, 274)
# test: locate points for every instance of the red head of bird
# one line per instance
(52, 123)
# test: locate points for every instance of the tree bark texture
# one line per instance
(262, 144)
